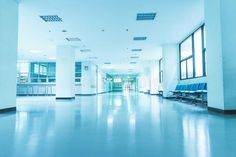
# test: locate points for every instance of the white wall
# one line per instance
(154, 74)
(103, 84)
(228, 26)
(194, 80)
(89, 78)
(144, 79)
(221, 53)
(8, 52)
(148, 79)
(214, 54)
(170, 69)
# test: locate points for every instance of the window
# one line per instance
(160, 71)
(78, 72)
(193, 55)
(198, 53)
(186, 48)
(186, 56)
(42, 72)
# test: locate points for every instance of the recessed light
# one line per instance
(107, 63)
(35, 51)
(64, 31)
(139, 38)
(93, 57)
(145, 16)
(85, 50)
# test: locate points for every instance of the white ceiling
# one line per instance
(87, 18)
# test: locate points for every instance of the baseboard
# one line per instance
(19, 95)
(5, 110)
(153, 94)
(216, 110)
(104, 92)
(85, 94)
(65, 98)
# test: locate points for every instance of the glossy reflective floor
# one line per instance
(115, 125)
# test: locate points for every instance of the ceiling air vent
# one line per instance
(132, 62)
(51, 18)
(85, 50)
(73, 39)
(136, 50)
(140, 38)
(145, 16)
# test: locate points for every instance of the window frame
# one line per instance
(202, 27)
(160, 70)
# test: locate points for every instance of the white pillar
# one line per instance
(8, 52)
(170, 70)
(221, 53)
(65, 72)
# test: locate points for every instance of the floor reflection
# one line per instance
(114, 125)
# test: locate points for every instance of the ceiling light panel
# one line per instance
(93, 57)
(134, 57)
(85, 50)
(139, 38)
(73, 39)
(145, 16)
(51, 18)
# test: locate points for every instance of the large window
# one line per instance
(160, 71)
(42, 72)
(193, 55)
(78, 72)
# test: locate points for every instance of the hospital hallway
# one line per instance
(114, 125)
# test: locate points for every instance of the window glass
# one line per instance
(183, 70)
(78, 72)
(190, 67)
(160, 71)
(198, 53)
(204, 38)
(186, 48)
(36, 68)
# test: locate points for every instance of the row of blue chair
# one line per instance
(197, 91)
(191, 88)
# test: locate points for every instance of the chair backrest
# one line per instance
(184, 87)
(189, 87)
(195, 86)
(177, 87)
(202, 86)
